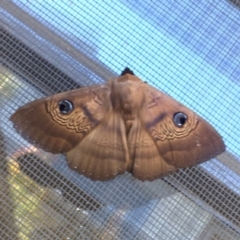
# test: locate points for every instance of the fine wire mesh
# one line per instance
(188, 49)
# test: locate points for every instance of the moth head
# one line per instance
(180, 119)
(65, 106)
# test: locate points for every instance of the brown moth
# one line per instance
(122, 125)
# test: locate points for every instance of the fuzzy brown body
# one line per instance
(123, 125)
(123, 97)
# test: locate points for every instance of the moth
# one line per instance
(122, 125)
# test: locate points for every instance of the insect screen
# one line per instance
(187, 49)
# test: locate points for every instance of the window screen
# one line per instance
(188, 49)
